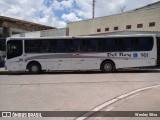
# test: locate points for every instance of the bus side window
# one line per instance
(150, 43)
(37, 46)
(127, 44)
(140, 45)
(68, 45)
(62, 46)
(33, 46)
(84, 45)
(110, 45)
(101, 45)
(70, 42)
(119, 44)
(46, 46)
(76, 45)
(143, 44)
(92, 45)
(53, 44)
(106, 45)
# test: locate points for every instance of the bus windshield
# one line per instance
(14, 49)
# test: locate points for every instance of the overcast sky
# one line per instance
(57, 13)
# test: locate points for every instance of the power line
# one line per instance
(93, 12)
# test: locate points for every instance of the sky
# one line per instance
(58, 13)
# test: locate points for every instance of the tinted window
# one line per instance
(107, 45)
(47, 46)
(14, 48)
(77, 45)
(33, 46)
(125, 44)
(89, 45)
(92, 45)
(84, 45)
(135, 44)
(143, 44)
(62, 46)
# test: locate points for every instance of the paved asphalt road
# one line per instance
(73, 91)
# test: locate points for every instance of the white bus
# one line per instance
(106, 53)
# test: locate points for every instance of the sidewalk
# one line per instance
(144, 101)
(148, 100)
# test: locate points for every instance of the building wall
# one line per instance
(32, 34)
(54, 32)
(145, 16)
(44, 33)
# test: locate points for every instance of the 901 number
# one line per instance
(144, 55)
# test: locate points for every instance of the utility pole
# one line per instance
(93, 9)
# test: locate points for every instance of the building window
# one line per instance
(106, 29)
(139, 25)
(152, 24)
(99, 30)
(115, 28)
(128, 27)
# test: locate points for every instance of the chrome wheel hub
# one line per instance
(108, 67)
(34, 68)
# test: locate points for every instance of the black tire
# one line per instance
(107, 67)
(35, 68)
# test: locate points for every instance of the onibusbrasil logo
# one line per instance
(21, 114)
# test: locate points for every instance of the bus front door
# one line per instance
(14, 52)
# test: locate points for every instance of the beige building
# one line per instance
(44, 33)
(142, 20)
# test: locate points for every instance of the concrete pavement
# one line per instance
(148, 100)
(68, 91)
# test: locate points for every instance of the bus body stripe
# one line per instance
(60, 56)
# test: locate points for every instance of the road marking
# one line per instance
(136, 91)
(86, 115)
(132, 96)
(109, 109)
(105, 104)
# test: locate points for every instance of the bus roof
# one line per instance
(72, 37)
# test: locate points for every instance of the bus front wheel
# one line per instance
(34, 68)
(107, 67)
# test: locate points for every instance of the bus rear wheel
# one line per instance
(107, 67)
(34, 68)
